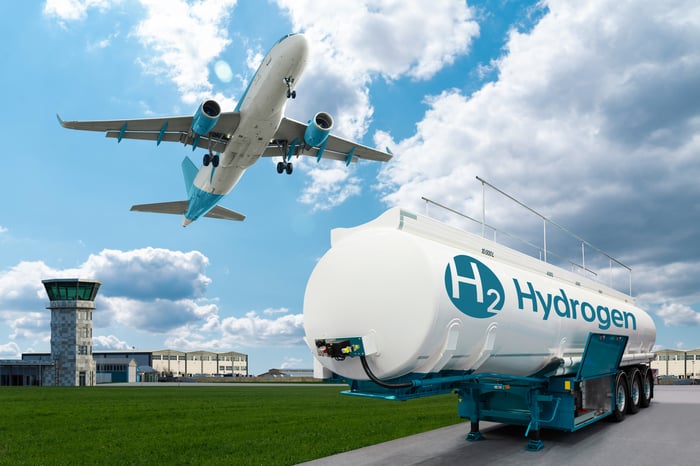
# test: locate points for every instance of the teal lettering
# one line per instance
(523, 296)
(617, 318)
(570, 308)
(585, 307)
(603, 322)
(566, 312)
(574, 303)
(546, 306)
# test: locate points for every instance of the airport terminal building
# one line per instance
(72, 361)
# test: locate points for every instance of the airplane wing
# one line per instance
(336, 148)
(170, 129)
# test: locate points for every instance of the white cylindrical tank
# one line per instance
(425, 297)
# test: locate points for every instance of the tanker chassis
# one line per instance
(407, 307)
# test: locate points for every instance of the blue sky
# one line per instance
(589, 113)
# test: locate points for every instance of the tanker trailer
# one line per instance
(406, 306)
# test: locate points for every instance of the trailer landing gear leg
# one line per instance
(534, 443)
(474, 435)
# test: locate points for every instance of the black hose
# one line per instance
(381, 383)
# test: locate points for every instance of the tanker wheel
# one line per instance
(647, 389)
(635, 398)
(621, 397)
(280, 167)
(289, 169)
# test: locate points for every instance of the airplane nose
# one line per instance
(299, 43)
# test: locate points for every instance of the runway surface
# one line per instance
(663, 433)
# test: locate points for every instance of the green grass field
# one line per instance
(202, 425)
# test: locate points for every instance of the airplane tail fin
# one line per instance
(189, 172)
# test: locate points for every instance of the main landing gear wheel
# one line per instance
(210, 159)
(285, 167)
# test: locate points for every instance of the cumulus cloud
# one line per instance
(329, 187)
(149, 290)
(593, 121)
(291, 363)
(155, 316)
(10, 351)
(74, 10)
(182, 40)
(109, 342)
(356, 42)
(149, 273)
(254, 330)
(674, 314)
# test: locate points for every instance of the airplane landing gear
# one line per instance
(213, 159)
(290, 93)
(285, 167)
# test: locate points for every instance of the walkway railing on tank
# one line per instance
(545, 254)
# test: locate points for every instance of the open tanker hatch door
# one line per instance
(601, 356)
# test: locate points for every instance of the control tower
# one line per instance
(72, 302)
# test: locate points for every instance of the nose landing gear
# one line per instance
(290, 93)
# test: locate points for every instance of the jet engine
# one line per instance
(205, 117)
(318, 129)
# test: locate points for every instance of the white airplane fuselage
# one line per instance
(261, 110)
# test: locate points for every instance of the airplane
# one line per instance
(236, 140)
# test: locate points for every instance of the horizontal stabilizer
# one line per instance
(176, 207)
(180, 207)
(224, 214)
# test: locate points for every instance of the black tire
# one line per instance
(289, 168)
(635, 392)
(206, 160)
(294, 94)
(620, 397)
(280, 167)
(647, 389)
(215, 161)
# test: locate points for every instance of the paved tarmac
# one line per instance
(665, 433)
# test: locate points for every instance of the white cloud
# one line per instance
(674, 314)
(328, 186)
(355, 42)
(150, 290)
(149, 273)
(291, 363)
(182, 40)
(593, 121)
(74, 10)
(393, 38)
(109, 342)
(253, 330)
(10, 351)
(3, 230)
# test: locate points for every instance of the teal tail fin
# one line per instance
(189, 172)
